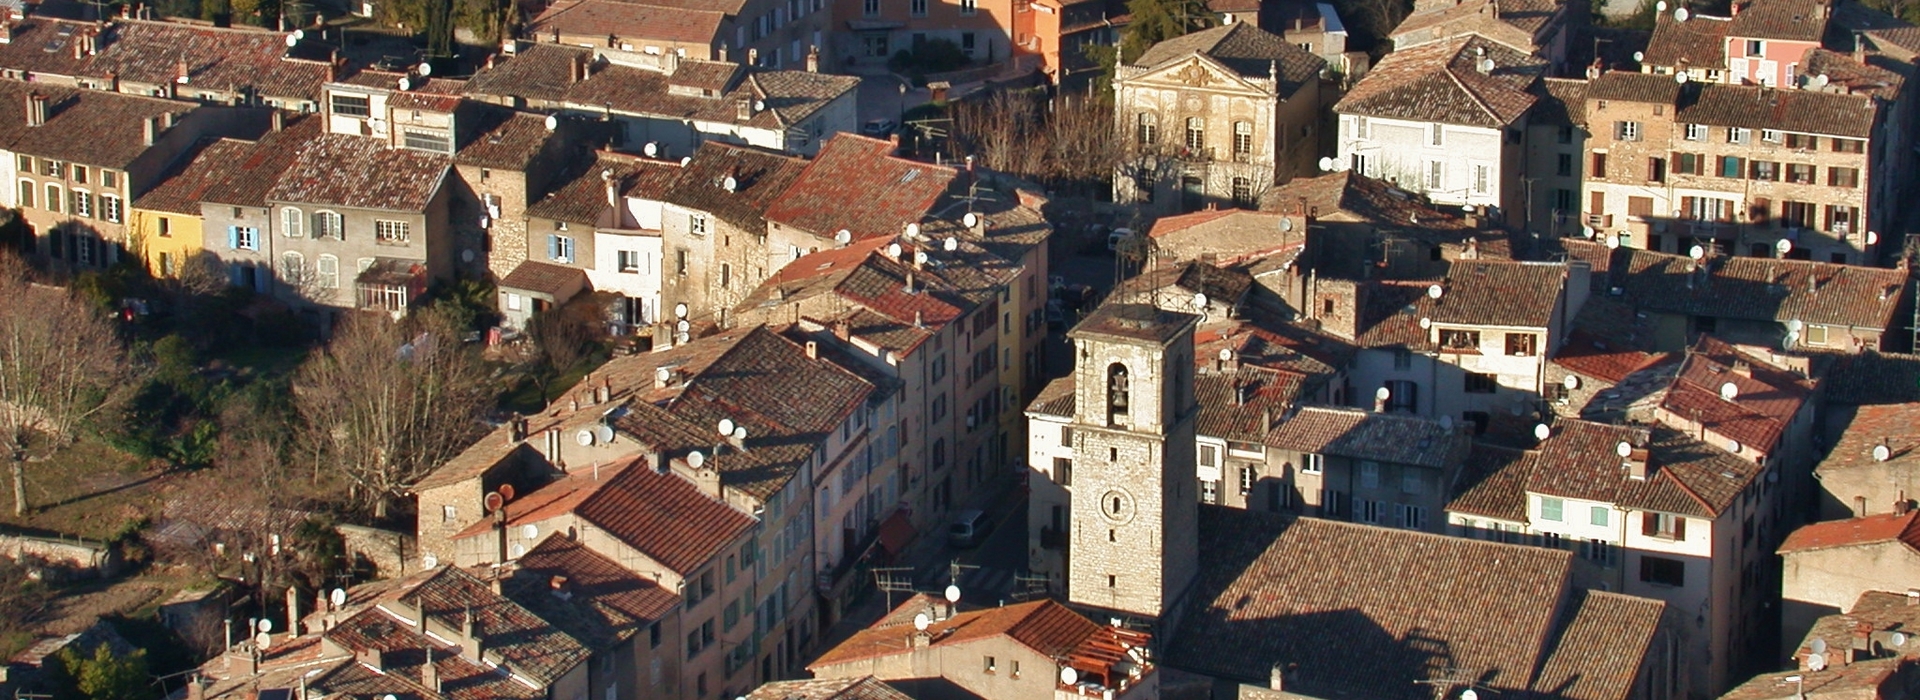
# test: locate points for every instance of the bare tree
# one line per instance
(60, 363)
(388, 401)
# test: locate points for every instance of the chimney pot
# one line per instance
(813, 350)
(753, 57)
(813, 59)
(37, 109)
(151, 128)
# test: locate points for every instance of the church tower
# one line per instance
(1135, 507)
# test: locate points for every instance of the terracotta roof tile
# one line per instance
(1390, 316)
(600, 602)
(637, 22)
(546, 278)
(1275, 589)
(550, 500)
(893, 192)
(1602, 646)
(404, 653)
(1440, 82)
(505, 139)
(1363, 434)
(353, 171)
(1767, 399)
(858, 688)
(530, 646)
(1874, 378)
(113, 124)
(1499, 293)
(1755, 107)
(1044, 626)
(1755, 289)
(665, 517)
(1634, 87)
(1514, 23)
(1056, 399)
(1493, 483)
(1700, 42)
(1872, 529)
(1847, 75)
(1244, 48)
(1861, 679)
(249, 179)
(182, 190)
(1880, 611)
(1562, 102)
(222, 59)
(759, 177)
(1787, 20)
(582, 199)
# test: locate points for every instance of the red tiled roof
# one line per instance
(892, 192)
(1440, 82)
(527, 644)
(632, 21)
(550, 500)
(354, 171)
(1872, 529)
(1493, 483)
(545, 278)
(1593, 356)
(1500, 293)
(582, 199)
(1044, 626)
(1700, 42)
(404, 653)
(182, 191)
(1755, 289)
(759, 177)
(1766, 402)
(856, 688)
(506, 139)
(248, 180)
(1895, 426)
(1786, 20)
(665, 517)
(1363, 434)
(1602, 647)
(601, 602)
(112, 124)
(1245, 49)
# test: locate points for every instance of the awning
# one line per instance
(896, 532)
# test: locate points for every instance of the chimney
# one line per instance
(1734, 9)
(293, 612)
(277, 120)
(919, 321)
(753, 57)
(1276, 680)
(613, 195)
(429, 673)
(743, 110)
(842, 330)
(558, 584)
(181, 73)
(921, 639)
(813, 350)
(1638, 464)
(813, 59)
(1743, 368)
(37, 110)
(197, 688)
(6, 31)
(466, 627)
(605, 392)
(1913, 596)
(372, 658)
(721, 55)
(1859, 506)
(91, 39)
(578, 70)
(151, 127)
(79, 49)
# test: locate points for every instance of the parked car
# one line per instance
(968, 529)
(878, 128)
(1116, 237)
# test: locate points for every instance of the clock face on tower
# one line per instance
(1116, 506)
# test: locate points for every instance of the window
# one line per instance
(1409, 516)
(1756, 47)
(1411, 481)
(1770, 136)
(1656, 170)
(1800, 173)
(1563, 200)
(1599, 552)
(1840, 218)
(327, 272)
(1434, 171)
(1599, 164)
(1456, 339)
(1063, 471)
(1313, 463)
(560, 248)
(968, 7)
(1565, 135)
(1640, 207)
(109, 178)
(1663, 571)
(1209, 492)
(391, 232)
(1369, 511)
(726, 275)
(1360, 127)
(352, 106)
(166, 227)
(26, 194)
(1247, 477)
(680, 261)
(1369, 475)
(1696, 132)
(1764, 170)
(1482, 179)
(328, 224)
(1626, 131)
(292, 268)
(243, 237)
(1480, 383)
(1550, 508)
(1843, 177)
(430, 141)
(1599, 516)
(1732, 166)
(1840, 145)
(80, 174)
(290, 219)
(1563, 165)
(871, 8)
(1663, 526)
(1243, 193)
(1689, 164)
(53, 168)
(1196, 133)
(1738, 134)
(1209, 456)
(629, 261)
(26, 163)
(918, 8)
(697, 224)
(1816, 334)
(54, 197)
(1144, 129)
(1242, 141)
(1802, 142)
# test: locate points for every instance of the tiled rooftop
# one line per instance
(759, 176)
(1766, 400)
(585, 594)
(1700, 42)
(634, 21)
(1363, 434)
(1493, 483)
(1754, 289)
(665, 517)
(504, 139)
(1871, 529)
(1245, 49)
(353, 171)
(893, 192)
(583, 198)
(217, 58)
(1044, 626)
(859, 688)
(1498, 293)
(1441, 82)
(530, 646)
(1786, 20)
(1602, 644)
(113, 124)
(1874, 378)
(545, 278)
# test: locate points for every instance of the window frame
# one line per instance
(392, 232)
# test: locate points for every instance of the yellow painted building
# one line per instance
(164, 239)
(165, 226)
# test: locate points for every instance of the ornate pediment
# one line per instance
(1195, 72)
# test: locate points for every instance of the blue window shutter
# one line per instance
(553, 247)
(233, 241)
(233, 275)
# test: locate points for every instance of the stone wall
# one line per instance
(392, 553)
(70, 557)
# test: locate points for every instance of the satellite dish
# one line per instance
(1469, 694)
(1783, 246)
(263, 641)
(759, 105)
(406, 83)
(1542, 432)
(430, 561)
(265, 625)
(604, 433)
(682, 326)
(1821, 80)
(680, 310)
(529, 531)
(1446, 423)
(1199, 300)
(919, 257)
(1873, 237)
(1819, 646)
(913, 230)
(494, 500)
(1681, 15)
(1613, 242)
(921, 622)
(299, 34)
(389, 696)
(662, 375)
(1286, 225)
(1382, 394)
(292, 40)
(1796, 325)
(517, 550)
(506, 491)
(1882, 453)
(740, 433)
(729, 184)
(893, 250)
(338, 597)
(953, 593)
(1696, 252)
(1639, 56)
(696, 459)
(424, 69)
(1899, 639)
(843, 236)
(725, 427)
(1586, 231)
(651, 149)
(1571, 382)
(1434, 291)
(1682, 77)
(553, 122)
(971, 219)
(686, 161)
(1485, 65)
(1733, 446)
(584, 437)
(1660, 6)
(1729, 391)
(1425, 323)
(1816, 662)
(1326, 164)
(1624, 449)
(950, 245)
(1516, 410)
(1225, 354)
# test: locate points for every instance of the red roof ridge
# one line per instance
(1866, 529)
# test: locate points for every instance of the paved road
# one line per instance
(988, 572)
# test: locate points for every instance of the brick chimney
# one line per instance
(182, 74)
(36, 109)
(813, 59)
(150, 130)
(6, 31)
(371, 658)
(1638, 463)
(430, 673)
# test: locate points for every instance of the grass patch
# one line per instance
(89, 489)
(259, 360)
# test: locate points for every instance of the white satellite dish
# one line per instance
(292, 41)
(680, 310)
(299, 34)
(1469, 694)
(1624, 449)
(1660, 6)
(1816, 662)
(686, 161)
(1899, 639)
(843, 236)
(920, 257)
(338, 597)
(1225, 354)
(1286, 225)
(950, 245)
(467, 255)
(729, 184)
(1796, 325)
(1639, 56)
(1068, 676)
(971, 219)
(740, 433)
(1382, 394)
(424, 69)
(725, 427)
(1696, 252)
(921, 622)
(389, 696)
(1446, 423)
(1542, 432)
(683, 326)
(1682, 77)
(1199, 300)
(1425, 323)
(651, 149)
(1819, 646)
(1613, 242)
(1729, 391)
(265, 625)
(529, 531)
(1468, 208)
(1571, 382)
(584, 437)
(696, 459)
(893, 250)
(1882, 453)
(662, 375)
(1821, 80)
(1783, 247)
(913, 230)
(1681, 15)
(263, 641)
(1326, 164)
(759, 105)
(1434, 291)
(1485, 65)
(1873, 237)
(430, 561)
(517, 550)
(953, 593)
(553, 122)
(1586, 231)
(1733, 446)
(406, 83)
(604, 432)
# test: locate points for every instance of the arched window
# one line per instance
(328, 271)
(1118, 389)
(327, 224)
(292, 268)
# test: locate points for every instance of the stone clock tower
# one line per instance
(1135, 507)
